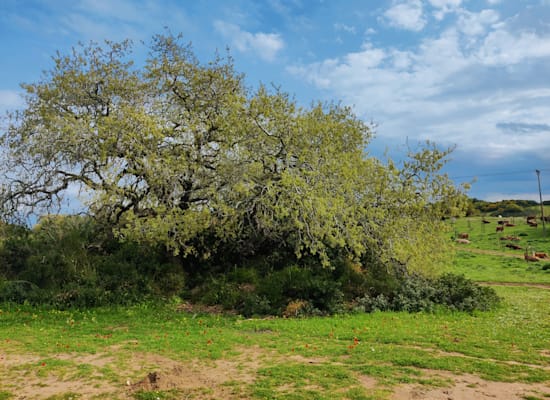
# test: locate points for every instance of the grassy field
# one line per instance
(488, 259)
(168, 352)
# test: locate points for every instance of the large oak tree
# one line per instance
(177, 151)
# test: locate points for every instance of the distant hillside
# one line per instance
(506, 207)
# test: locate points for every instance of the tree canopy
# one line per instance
(183, 153)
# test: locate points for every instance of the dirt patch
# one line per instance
(140, 372)
(219, 378)
(468, 387)
(491, 252)
(28, 377)
(96, 360)
(11, 360)
(442, 353)
(225, 378)
(367, 382)
(519, 284)
(307, 360)
(45, 387)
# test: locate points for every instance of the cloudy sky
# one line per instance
(474, 74)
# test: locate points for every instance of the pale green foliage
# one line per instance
(183, 153)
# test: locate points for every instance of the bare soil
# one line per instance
(518, 284)
(492, 252)
(219, 379)
(471, 387)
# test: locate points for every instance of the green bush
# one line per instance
(74, 262)
(417, 293)
(246, 292)
(459, 293)
(369, 303)
(15, 248)
(71, 261)
(19, 291)
(315, 285)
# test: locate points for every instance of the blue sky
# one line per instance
(475, 74)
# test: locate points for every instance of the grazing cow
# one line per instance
(541, 255)
(463, 236)
(513, 246)
(500, 228)
(463, 241)
(485, 221)
(529, 258)
(531, 217)
(514, 238)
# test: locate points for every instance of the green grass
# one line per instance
(491, 268)
(308, 358)
(484, 236)
(319, 358)
(498, 264)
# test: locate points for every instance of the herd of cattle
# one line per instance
(531, 220)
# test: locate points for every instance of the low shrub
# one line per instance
(74, 262)
(20, 291)
(417, 293)
(459, 293)
(317, 286)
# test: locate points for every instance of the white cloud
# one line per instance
(346, 28)
(102, 19)
(475, 24)
(10, 100)
(444, 7)
(501, 47)
(266, 45)
(445, 3)
(457, 87)
(406, 15)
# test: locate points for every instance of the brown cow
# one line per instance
(500, 228)
(514, 238)
(513, 246)
(541, 255)
(530, 258)
(463, 235)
